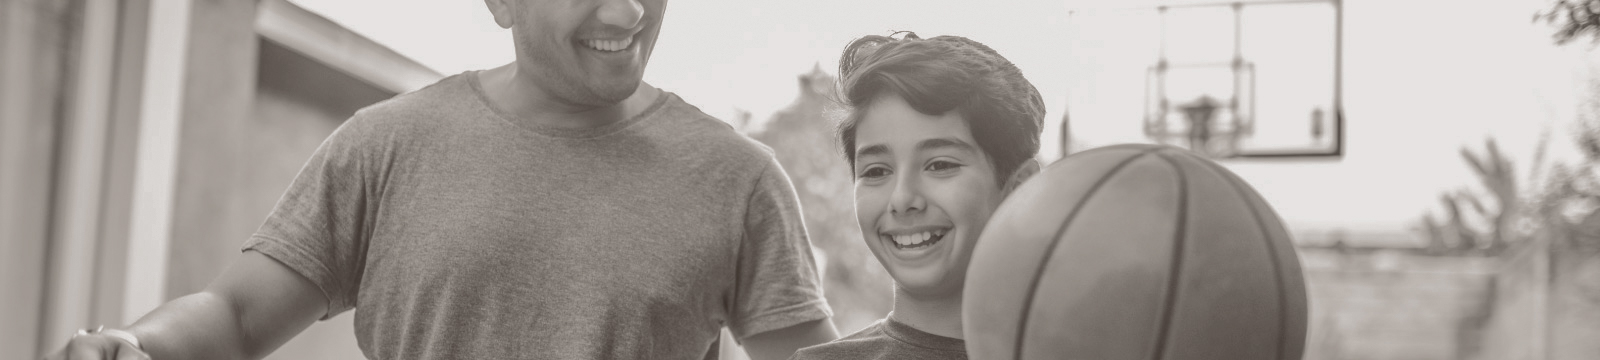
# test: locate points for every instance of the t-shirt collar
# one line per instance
(906, 333)
(570, 133)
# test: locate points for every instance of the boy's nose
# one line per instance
(907, 197)
(621, 13)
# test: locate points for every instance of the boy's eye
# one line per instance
(874, 172)
(942, 165)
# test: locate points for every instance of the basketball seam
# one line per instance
(1176, 270)
(1027, 304)
(1272, 256)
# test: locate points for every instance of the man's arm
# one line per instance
(253, 307)
(781, 343)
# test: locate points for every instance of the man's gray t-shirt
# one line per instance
(457, 232)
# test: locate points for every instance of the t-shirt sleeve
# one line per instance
(319, 226)
(778, 286)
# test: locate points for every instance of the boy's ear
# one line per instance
(1024, 171)
(501, 9)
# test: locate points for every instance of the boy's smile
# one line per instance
(921, 246)
(914, 239)
(924, 191)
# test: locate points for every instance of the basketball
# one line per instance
(1134, 252)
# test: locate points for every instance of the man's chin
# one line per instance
(613, 93)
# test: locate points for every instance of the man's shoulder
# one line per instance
(442, 97)
(709, 134)
(419, 110)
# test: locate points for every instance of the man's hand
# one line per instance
(97, 347)
(253, 307)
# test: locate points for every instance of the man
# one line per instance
(555, 207)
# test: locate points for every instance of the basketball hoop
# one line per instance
(1212, 119)
(1201, 91)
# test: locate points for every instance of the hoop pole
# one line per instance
(1178, 5)
(1338, 77)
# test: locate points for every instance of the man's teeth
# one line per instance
(917, 238)
(609, 45)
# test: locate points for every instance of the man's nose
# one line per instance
(621, 13)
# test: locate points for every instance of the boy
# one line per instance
(939, 131)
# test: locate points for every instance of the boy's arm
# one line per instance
(781, 343)
(253, 307)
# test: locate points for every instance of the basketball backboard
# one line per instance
(1232, 79)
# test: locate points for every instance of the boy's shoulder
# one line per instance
(868, 343)
(879, 342)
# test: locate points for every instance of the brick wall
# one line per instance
(1377, 304)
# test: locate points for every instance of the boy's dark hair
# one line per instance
(942, 74)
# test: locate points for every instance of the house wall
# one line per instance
(33, 52)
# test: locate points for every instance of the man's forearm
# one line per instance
(197, 326)
(254, 306)
(780, 344)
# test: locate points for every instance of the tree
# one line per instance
(1570, 204)
(802, 138)
(1573, 19)
(1484, 221)
(1564, 204)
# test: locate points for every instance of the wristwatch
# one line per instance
(119, 334)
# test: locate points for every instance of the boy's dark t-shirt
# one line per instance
(458, 232)
(888, 340)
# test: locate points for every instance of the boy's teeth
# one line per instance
(917, 238)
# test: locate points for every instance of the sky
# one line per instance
(749, 60)
(1419, 83)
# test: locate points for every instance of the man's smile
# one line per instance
(608, 45)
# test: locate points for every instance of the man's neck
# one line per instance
(515, 94)
(934, 315)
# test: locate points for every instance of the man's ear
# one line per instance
(1024, 171)
(501, 9)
